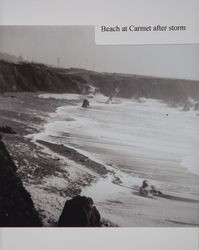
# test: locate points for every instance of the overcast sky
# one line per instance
(75, 46)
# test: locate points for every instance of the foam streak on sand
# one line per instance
(61, 96)
(192, 162)
(136, 141)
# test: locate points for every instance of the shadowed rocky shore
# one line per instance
(16, 205)
(17, 209)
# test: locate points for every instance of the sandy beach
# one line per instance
(49, 178)
(105, 152)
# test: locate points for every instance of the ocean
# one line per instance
(136, 140)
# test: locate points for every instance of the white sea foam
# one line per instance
(126, 129)
(191, 162)
(60, 96)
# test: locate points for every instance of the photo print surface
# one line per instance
(97, 135)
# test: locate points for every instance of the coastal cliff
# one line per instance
(32, 77)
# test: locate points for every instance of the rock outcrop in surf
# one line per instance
(85, 103)
(16, 205)
(80, 212)
(149, 190)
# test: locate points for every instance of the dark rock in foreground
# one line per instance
(7, 130)
(79, 212)
(16, 206)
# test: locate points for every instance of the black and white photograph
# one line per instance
(97, 135)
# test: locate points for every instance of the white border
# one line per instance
(93, 12)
